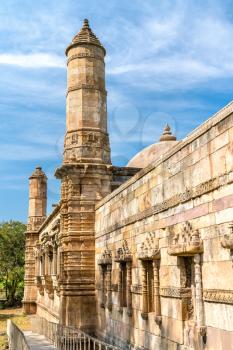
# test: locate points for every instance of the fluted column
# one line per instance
(129, 282)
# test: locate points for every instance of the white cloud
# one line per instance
(33, 60)
(181, 48)
(11, 152)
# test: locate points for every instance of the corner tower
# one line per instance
(85, 177)
(36, 216)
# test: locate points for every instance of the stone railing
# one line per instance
(16, 337)
(68, 338)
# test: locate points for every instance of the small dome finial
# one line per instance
(167, 135)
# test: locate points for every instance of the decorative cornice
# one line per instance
(218, 296)
(175, 292)
(179, 198)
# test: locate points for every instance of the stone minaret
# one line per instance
(85, 177)
(36, 216)
(86, 122)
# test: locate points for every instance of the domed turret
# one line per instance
(85, 36)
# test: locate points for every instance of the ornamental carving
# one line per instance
(218, 296)
(175, 292)
(106, 257)
(227, 240)
(185, 242)
(123, 253)
(188, 194)
(149, 249)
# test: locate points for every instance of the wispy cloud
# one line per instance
(33, 60)
(12, 152)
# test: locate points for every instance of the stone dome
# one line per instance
(153, 152)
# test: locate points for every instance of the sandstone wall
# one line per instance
(186, 197)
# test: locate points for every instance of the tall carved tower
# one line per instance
(85, 176)
(36, 216)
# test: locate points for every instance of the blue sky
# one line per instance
(166, 61)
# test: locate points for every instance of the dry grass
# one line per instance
(18, 317)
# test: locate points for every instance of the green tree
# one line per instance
(12, 249)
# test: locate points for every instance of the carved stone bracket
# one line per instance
(123, 253)
(106, 257)
(187, 242)
(227, 240)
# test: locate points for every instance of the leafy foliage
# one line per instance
(12, 249)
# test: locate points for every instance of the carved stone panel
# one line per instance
(185, 242)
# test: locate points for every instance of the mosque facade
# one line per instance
(140, 256)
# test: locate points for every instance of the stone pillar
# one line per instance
(144, 292)
(157, 304)
(43, 265)
(120, 289)
(46, 262)
(199, 307)
(54, 269)
(109, 286)
(102, 286)
(129, 282)
(37, 214)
